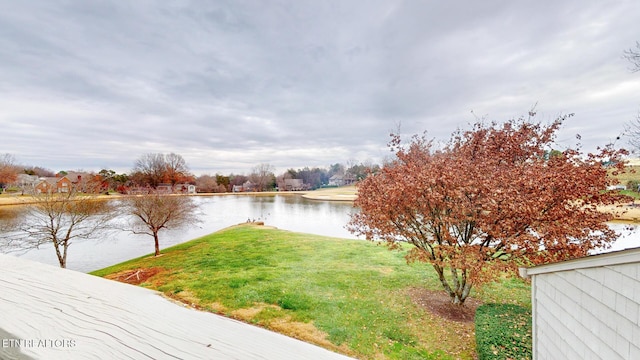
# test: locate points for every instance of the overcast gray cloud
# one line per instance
(231, 84)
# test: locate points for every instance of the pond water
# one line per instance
(288, 212)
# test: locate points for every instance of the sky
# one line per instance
(229, 85)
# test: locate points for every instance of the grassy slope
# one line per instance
(632, 173)
(346, 295)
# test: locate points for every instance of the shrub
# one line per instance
(503, 331)
(633, 185)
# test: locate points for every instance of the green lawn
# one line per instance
(631, 174)
(350, 296)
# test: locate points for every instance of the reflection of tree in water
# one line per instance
(264, 202)
(10, 216)
(10, 220)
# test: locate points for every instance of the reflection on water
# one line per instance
(629, 237)
(285, 212)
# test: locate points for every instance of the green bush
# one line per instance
(503, 331)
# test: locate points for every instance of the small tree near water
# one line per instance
(153, 212)
(489, 201)
(60, 219)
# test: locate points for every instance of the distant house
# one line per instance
(246, 187)
(25, 181)
(587, 308)
(184, 189)
(341, 180)
(164, 188)
(293, 185)
(336, 180)
(86, 182)
(83, 182)
(138, 190)
(53, 185)
(349, 179)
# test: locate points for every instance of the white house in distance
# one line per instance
(587, 308)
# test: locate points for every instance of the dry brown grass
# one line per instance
(632, 173)
(306, 332)
(343, 193)
(248, 314)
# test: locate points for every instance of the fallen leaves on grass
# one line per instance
(439, 304)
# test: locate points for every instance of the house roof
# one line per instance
(74, 175)
(607, 259)
(53, 180)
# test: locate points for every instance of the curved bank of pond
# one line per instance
(296, 212)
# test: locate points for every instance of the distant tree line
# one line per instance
(60, 216)
(156, 169)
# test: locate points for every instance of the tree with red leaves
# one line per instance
(8, 170)
(494, 198)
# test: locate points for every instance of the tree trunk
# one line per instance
(61, 260)
(460, 292)
(155, 238)
(62, 256)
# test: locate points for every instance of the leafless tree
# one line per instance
(281, 180)
(632, 132)
(207, 183)
(155, 211)
(39, 171)
(633, 55)
(632, 128)
(262, 176)
(60, 219)
(151, 169)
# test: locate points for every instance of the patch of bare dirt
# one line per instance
(135, 276)
(439, 304)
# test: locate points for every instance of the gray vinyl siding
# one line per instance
(589, 312)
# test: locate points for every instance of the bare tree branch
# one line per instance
(59, 219)
(633, 55)
(632, 131)
(153, 212)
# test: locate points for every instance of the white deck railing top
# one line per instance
(52, 313)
